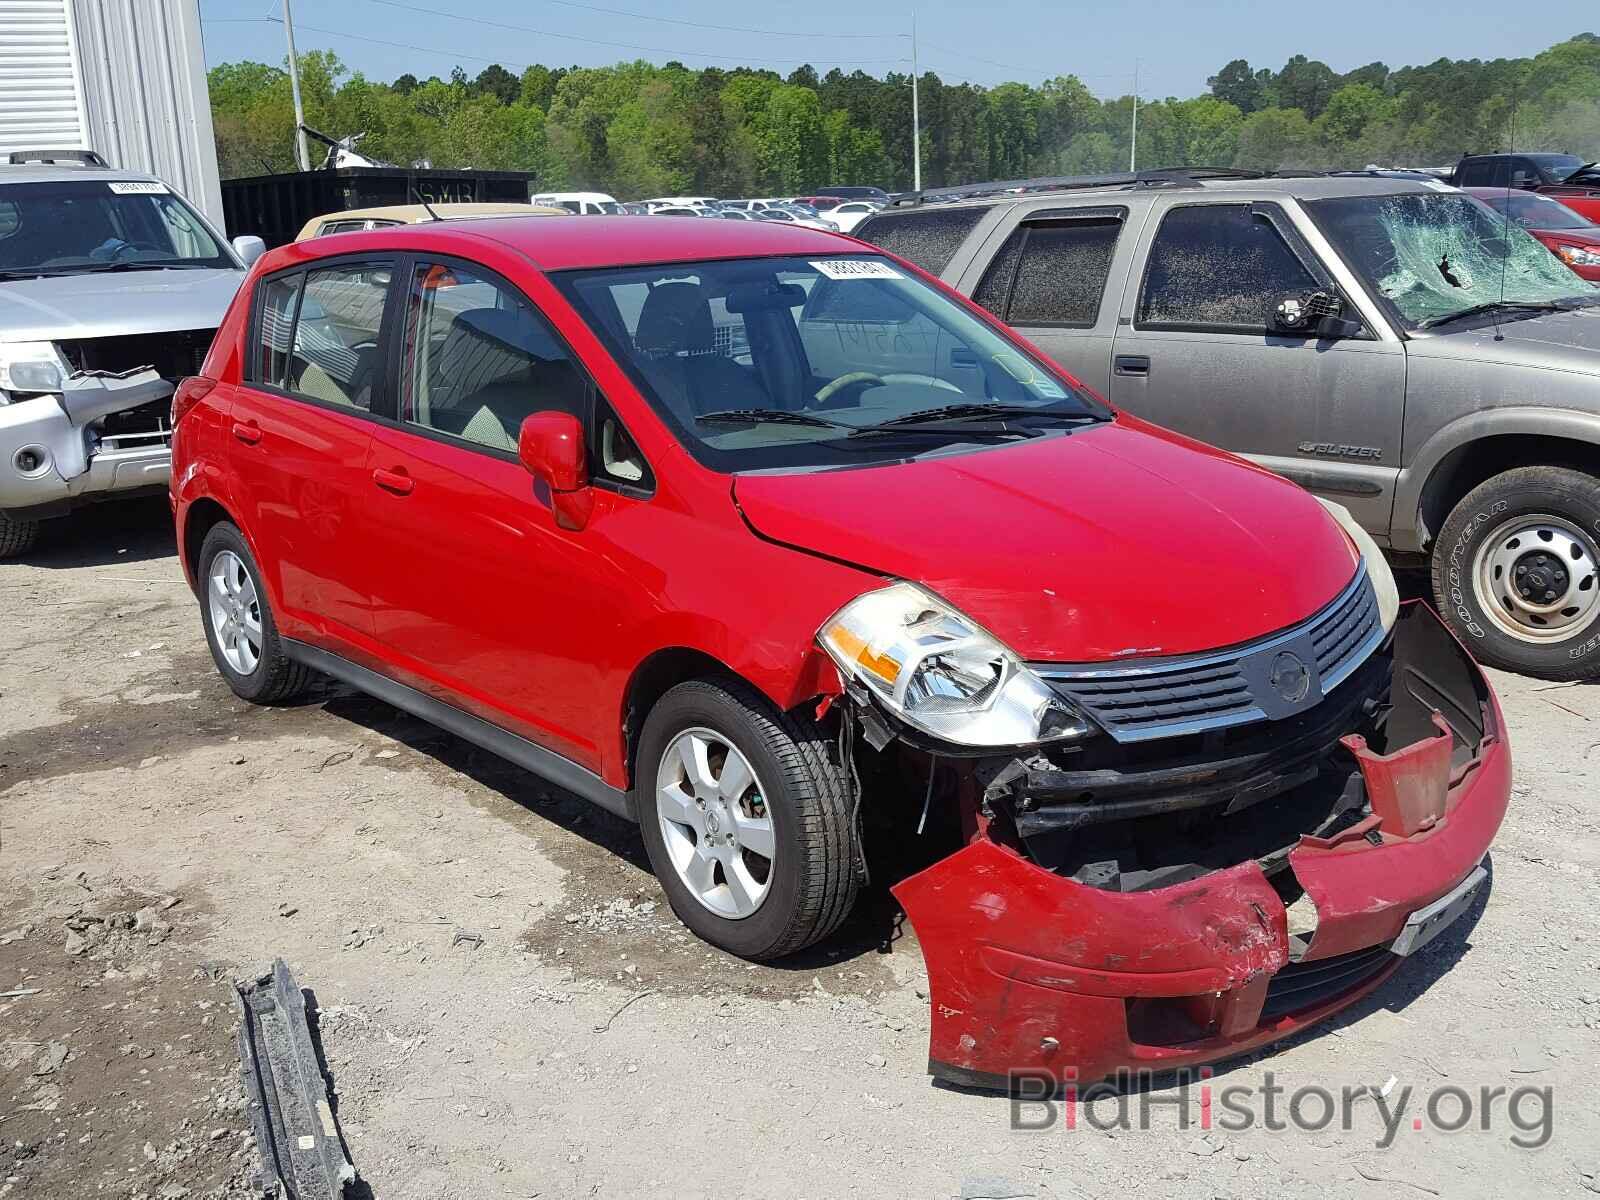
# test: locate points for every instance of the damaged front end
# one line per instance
(1208, 873)
(88, 417)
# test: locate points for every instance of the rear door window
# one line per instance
(1218, 267)
(1051, 272)
(927, 237)
(336, 356)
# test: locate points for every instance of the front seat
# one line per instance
(677, 338)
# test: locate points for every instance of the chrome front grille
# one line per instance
(1141, 699)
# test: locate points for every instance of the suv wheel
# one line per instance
(238, 622)
(746, 819)
(16, 537)
(1516, 571)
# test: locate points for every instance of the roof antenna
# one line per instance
(1505, 233)
(423, 200)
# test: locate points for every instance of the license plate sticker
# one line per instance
(1427, 923)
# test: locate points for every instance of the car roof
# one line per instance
(1302, 187)
(570, 242)
(53, 173)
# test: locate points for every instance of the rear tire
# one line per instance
(17, 537)
(1516, 572)
(794, 802)
(238, 622)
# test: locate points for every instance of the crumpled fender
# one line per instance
(1004, 939)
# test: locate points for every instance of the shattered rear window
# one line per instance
(1435, 254)
(927, 237)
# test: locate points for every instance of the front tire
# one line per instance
(745, 815)
(1516, 572)
(17, 537)
(238, 622)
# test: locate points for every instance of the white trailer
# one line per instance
(124, 78)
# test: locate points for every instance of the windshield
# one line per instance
(1433, 255)
(1559, 165)
(781, 362)
(82, 225)
(1533, 211)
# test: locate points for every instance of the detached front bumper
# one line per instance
(1030, 972)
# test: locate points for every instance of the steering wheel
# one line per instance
(117, 254)
(847, 380)
(856, 377)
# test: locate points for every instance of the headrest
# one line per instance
(675, 319)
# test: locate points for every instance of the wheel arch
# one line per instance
(1477, 448)
(665, 668)
(200, 518)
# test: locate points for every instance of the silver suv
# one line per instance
(111, 286)
(1391, 344)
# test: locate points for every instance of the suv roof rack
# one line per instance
(84, 158)
(1149, 178)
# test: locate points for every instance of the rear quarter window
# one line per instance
(927, 237)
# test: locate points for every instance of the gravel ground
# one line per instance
(158, 839)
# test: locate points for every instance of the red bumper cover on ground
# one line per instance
(1032, 972)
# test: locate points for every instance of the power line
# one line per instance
(639, 16)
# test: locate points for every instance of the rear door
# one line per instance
(1056, 277)
(302, 422)
(1195, 351)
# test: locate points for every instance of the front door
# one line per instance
(303, 418)
(1196, 351)
(478, 590)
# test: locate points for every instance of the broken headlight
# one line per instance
(1383, 584)
(940, 673)
(30, 367)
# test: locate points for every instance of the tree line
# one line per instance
(638, 129)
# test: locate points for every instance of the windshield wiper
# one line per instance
(129, 265)
(992, 410)
(770, 416)
(1478, 310)
(784, 416)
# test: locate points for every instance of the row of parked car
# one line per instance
(819, 556)
(837, 210)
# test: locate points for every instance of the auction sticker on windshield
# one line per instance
(137, 187)
(856, 268)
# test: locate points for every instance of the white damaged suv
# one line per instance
(111, 286)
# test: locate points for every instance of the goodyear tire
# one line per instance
(1516, 572)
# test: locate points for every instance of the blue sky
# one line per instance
(1177, 43)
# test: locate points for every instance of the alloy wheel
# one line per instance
(715, 822)
(235, 612)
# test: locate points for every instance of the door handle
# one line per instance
(247, 432)
(396, 481)
(1131, 364)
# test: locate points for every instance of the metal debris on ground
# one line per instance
(302, 1156)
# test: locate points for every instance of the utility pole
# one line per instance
(916, 117)
(1133, 140)
(294, 86)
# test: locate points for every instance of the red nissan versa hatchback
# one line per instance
(768, 541)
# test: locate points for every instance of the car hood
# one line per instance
(1562, 341)
(85, 306)
(1577, 237)
(1108, 542)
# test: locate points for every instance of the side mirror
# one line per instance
(550, 445)
(249, 248)
(1304, 314)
